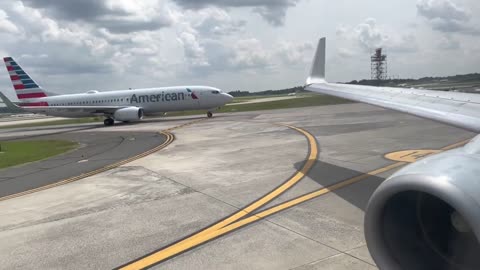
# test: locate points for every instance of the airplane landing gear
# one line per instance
(209, 114)
(108, 122)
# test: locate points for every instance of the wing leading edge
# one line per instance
(60, 110)
(453, 108)
(74, 110)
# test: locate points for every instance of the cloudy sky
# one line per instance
(73, 46)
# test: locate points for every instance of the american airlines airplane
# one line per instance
(427, 215)
(122, 105)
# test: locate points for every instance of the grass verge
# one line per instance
(18, 152)
(298, 102)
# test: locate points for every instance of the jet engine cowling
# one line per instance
(427, 215)
(128, 114)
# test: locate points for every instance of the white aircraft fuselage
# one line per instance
(151, 100)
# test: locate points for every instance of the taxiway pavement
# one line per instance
(212, 170)
(95, 150)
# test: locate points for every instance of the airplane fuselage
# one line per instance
(151, 100)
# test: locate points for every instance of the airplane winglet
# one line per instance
(317, 72)
(8, 103)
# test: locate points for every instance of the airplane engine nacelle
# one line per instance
(427, 215)
(128, 114)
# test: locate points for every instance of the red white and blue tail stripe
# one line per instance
(25, 87)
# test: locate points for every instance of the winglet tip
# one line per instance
(317, 72)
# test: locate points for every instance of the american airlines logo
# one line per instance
(162, 97)
(191, 93)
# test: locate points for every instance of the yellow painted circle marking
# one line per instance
(410, 155)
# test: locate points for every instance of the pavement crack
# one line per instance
(196, 190)
(314, 240)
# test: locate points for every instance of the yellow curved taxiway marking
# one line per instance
(169, 139)
(200, 237)
(210, 233)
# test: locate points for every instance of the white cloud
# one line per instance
(441, 9)
(295, 53)
(215, 21)
(446, 16)
(273, 11)
(369, 35)
(194, 52)
(249, 53)
(119, 16)
(6, 25)
(448, 43)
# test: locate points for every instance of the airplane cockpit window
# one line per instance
(215, 92)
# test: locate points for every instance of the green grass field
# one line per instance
(18, 152)
(248, 98)
(298, 102)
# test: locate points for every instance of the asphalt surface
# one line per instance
(212, 171)
(96, 150)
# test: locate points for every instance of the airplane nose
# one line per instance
(228, 97)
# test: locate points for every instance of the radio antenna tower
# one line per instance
(378, 65)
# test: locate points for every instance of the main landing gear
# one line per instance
(209, 114)
(108, 122)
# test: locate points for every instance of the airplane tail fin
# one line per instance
(317, 73)
(25, 87)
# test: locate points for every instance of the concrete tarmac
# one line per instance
(213, 169)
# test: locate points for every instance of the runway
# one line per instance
(282, 189)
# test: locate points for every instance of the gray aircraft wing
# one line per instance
(55, 110)
(94, 110)
(8, 107)
(453, 108)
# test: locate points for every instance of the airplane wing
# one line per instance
(52, 110)
(9, 106)
(453, 108)
(73, 109)
(93, 110)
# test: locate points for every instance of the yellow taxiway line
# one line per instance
(193, 240)
(169, 139)
(235, 221)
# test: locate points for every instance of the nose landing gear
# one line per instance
(209, 114)
(108, 122)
